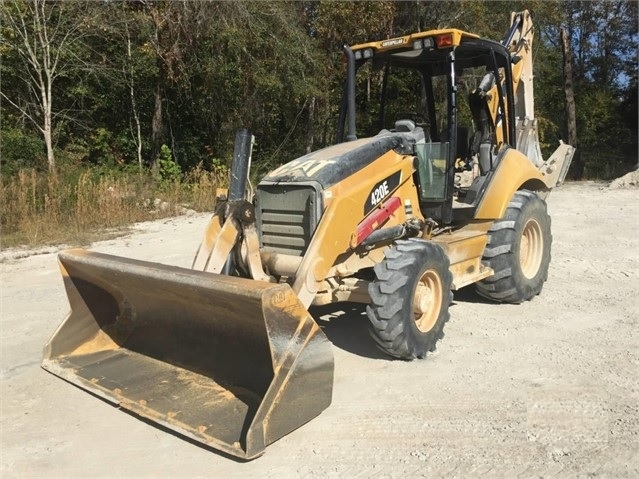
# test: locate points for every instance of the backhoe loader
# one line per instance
(397, 213)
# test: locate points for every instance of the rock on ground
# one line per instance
(629, 180)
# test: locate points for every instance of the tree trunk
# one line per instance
(309, 129)
(138, 130)
(157, 127)
(571, 118)
(47, 128)
(46, 131)
(136, 117)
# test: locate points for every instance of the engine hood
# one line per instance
(331, 165)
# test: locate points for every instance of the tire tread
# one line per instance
(508, 284)
(390, 311)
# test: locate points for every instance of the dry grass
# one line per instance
(79, 207)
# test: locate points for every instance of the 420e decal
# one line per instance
(381, 190)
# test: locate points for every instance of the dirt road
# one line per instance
(547, 388)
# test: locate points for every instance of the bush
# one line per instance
(169, 170)
(20, 150)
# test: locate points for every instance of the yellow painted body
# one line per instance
(330, 254)
(402, 42)
(514, 171)
(344, 210)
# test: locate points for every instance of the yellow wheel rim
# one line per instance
(427, 302)
(531, 249)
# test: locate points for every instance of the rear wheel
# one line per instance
(518, 250)
(410, 299)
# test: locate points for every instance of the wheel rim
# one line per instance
(427, 301)
(531, 249)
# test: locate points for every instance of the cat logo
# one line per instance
(306, 168)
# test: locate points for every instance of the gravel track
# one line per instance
(548, 388)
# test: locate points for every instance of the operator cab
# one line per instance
(437, 88)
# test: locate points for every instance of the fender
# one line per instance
(513, 172)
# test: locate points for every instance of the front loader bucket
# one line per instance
(230, 362)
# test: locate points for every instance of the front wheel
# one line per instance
(518, 250)
(410, 299)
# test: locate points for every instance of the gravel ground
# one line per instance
(548, 388)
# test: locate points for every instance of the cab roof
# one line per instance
(432, 48)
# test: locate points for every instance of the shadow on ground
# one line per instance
(468, 294)
(346, 326)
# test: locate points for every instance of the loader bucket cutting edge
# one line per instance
(230, 362)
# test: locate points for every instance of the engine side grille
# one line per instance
(286, 217)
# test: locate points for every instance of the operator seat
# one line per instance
(404, 126)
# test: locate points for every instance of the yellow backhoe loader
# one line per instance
(226, 352)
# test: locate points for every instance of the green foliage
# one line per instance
(20, 149)
(101, 147)
(219, 167)
(209, 68)
(603, 135)
(169, 171)
(353, 22)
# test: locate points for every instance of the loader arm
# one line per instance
(231, 233)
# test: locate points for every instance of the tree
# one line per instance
(568, 89)
(603, 38)
(110, 82)
(134, 107)
(43, 38)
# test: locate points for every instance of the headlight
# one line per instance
(366, 54)
(422, 43)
